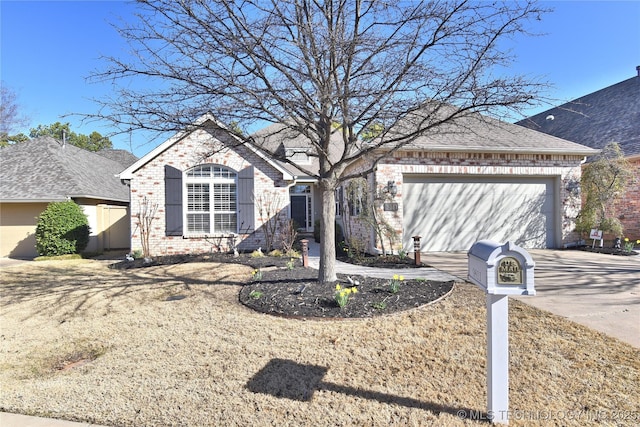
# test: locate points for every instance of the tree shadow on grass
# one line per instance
(291, 380)
(74, 288)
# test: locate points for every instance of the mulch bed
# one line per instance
(296, 292)
(608, 251)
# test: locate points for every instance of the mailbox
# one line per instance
(501, 269)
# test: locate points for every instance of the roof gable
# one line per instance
(44, 169)
(282, 139)
(608, 115)
(202, 122)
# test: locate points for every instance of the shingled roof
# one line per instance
(480, 133)
(124, 157)
(486, 134)
(611, 114)
(44, 170)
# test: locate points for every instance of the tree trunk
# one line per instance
(327, 272)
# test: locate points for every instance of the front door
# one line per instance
(301, 206)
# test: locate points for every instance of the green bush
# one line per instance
(62, 229)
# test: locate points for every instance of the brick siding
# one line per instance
(565, 167)
(201, 147)
(628, 208)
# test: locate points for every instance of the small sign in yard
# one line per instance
(595, 234)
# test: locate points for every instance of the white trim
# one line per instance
(309, 199)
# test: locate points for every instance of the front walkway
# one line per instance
(427, 273)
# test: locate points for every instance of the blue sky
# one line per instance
(48, 48)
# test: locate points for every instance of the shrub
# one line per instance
(275, 253)
(62, 229)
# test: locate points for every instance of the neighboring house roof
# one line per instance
(479, 133)
(608, 115)
(124, 157)
(206, 120)
(43, 170)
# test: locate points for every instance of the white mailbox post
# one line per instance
(500, 270)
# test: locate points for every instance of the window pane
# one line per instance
(225, 222)
(300, 189)
(198, 197)
(200, 172)
(219, 172)
(224, 197)
(198, 223)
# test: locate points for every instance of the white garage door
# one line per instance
(451, 213)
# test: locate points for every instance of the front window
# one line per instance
(338, 196)
(211, 200)
(356, 200)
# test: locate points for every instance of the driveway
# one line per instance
(599, 291)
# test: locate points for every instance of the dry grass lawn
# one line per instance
(171, 346)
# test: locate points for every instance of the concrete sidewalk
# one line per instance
(599, 291)
(428, 273)
(17, 420)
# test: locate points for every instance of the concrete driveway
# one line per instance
(599, 291)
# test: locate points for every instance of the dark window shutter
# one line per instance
(246, 218)
(173, 200)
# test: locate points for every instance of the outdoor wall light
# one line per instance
(392, 188)
(573, 187)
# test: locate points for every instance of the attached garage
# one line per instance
(17, 229)
(450, 213)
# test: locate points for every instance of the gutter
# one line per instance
(47, 200)
(445, 149)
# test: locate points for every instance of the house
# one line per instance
(482, 179)
(479, 178)
(43, 170)
(608, 115)
(211, 192)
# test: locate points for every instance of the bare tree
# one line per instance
(146, 215)
(323, 69)
(10, 117)
(269, 206)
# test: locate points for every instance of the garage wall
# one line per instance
(451, 213)
(109, 227)
(555, 170)
(17, 229)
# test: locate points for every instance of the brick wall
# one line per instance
(566, 167)
(201, 147)
(628, 209)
